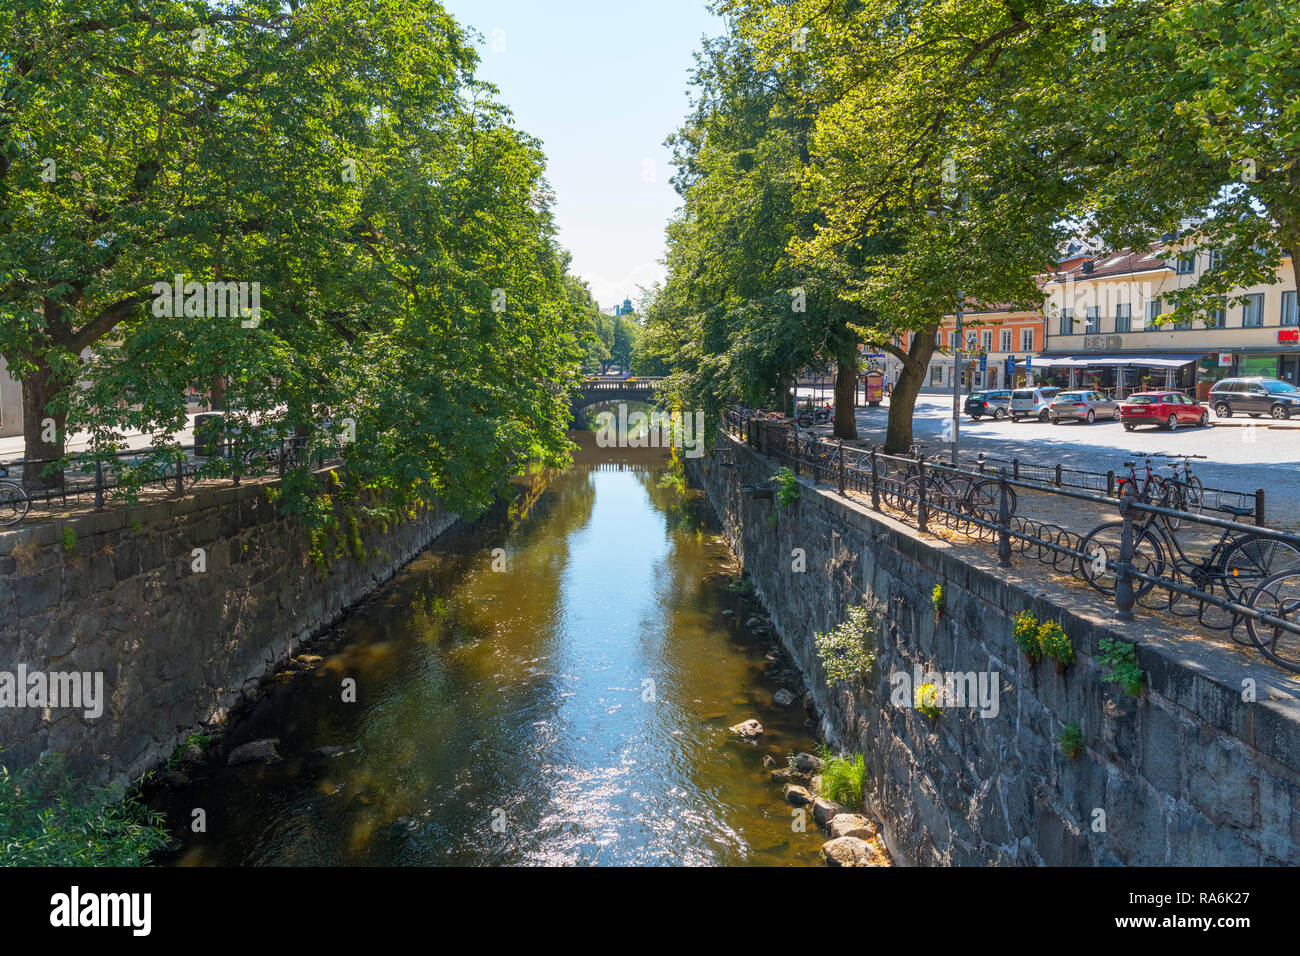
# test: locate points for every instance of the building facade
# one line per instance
(1102, 329)
(1000, 345)
(11, 403)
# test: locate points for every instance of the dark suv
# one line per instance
(993, 403)
(1255, 397)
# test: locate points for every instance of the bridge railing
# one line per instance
(637, 383)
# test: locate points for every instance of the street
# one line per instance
(1238, 457)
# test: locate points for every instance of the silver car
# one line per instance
(1032, 402)
(1082, 407)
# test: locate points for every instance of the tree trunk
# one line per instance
(846, 386)
(39, 389)
(902, 400)
(786, 396)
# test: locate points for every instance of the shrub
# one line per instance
(842, 779)
(48, 819)
(787, 488)
(1121, 658)
(926, 700)
(937, 597)
(69, 538)
(1055, 643)
(1025, 632)
(845, 652)
(1072, 741)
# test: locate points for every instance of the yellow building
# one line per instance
(1101, 334)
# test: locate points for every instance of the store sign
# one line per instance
(1225, 359)
(1288, 335)
(1100, 342)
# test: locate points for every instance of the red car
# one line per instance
(1162, 409)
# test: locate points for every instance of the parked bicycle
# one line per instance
(1279, 597)
(1236, 565)
(14, 503)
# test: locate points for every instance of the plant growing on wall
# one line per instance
(938, 597)
(1055, 643)
(1120, 657)
(846, 651)
(787, 488)
(68, 537)
(1025, 631)
(1072, 741)
(926, 700)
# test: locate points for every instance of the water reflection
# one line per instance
(571, 709)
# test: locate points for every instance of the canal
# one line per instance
(551, 685)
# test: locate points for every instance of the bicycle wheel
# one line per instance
(985, 498)
(1176, 499)
(1250, 560)
(1102, 545)
(1278, 596)
(1195, 494)
(13, 503)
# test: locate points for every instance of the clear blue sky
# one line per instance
(602, 84)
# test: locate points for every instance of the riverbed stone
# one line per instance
(851, 825)
(850, 851)
(256, 751)
(796, 795)
(826, 810)
(748, 729)
(783, 698)
(807, 763)
(789, 775)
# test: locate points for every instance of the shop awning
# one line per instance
(1134, 359)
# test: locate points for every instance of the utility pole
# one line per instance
(956, 381)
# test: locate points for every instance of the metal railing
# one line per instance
(931, 495)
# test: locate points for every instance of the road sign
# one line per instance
(984, 362)
(1029, 364)
(1011, 368)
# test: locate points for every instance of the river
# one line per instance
(550, 685)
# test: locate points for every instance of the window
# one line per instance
(1153, 312)
(1026, 340)
(1185, 264)
(1218, 318)
(938, 339)
(1067, 321)
(1005, 338)
(1123, 318)
(936, 374)
(986, 341)
(1093, 324)
(1214, 261)
(1288, 308)
(1252, 312)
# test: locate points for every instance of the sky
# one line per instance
(602, 84)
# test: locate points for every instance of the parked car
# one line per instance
(1082, 407)
(995, 403)
(1255, 397)
(1162, 409)
(1032, 402)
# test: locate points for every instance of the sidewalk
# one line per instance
(11, 449)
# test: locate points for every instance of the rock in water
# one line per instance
(850, 851)
(852, 825)
(826, 810)
(807, 763)
(749, 729)
(783, 698)
(769, 761)
(796, 795)
(258, 751)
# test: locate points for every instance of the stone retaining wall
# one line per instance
(176, 648)
(1189, 773)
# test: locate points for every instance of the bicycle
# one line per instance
(1279, 597)
(1237, 562)
(14, 501)
(1191, 491)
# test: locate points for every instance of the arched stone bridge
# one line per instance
(637, 388)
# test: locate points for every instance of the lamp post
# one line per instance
(956, 383)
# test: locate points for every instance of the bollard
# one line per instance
(842, 474)
(979, 463)
(180, 471)
(1004, 522)
(1124, 598)
(1110, 483)
(1058, 474)
(99, 486)
(1259, 507)
(1015, 468)
(921, 516)
(875, 480)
